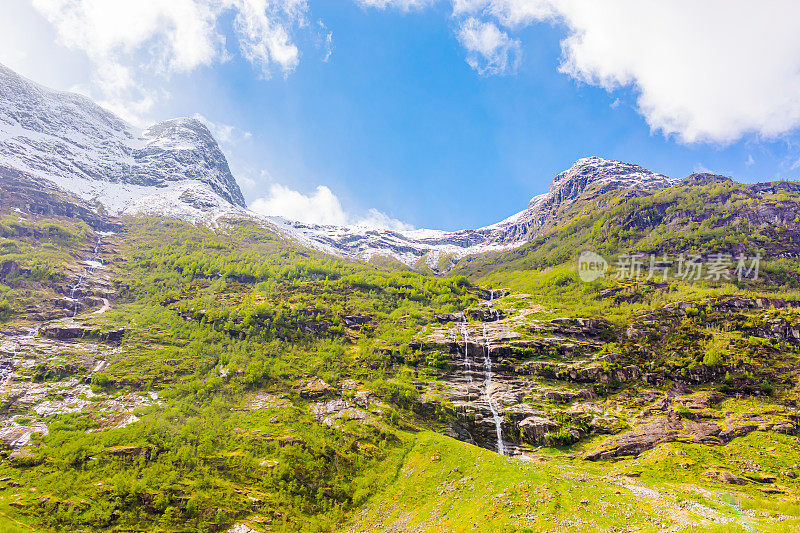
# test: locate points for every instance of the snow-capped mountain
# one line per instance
(70, 140)
(586, 179)
(176, 169)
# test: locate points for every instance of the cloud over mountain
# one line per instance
(126, 40)
(320, 207)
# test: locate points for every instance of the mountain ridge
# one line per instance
(68, 139)
(175, 168)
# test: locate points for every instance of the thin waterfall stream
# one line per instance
(487, 384)
(487, 370)
(467, 364)
(72, 295)
(91, 265)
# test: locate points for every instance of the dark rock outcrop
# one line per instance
(671, 427)
(127, 452)
(75, 331)
(485, 314)
(23, 191)
(316, 389)
(534, 428)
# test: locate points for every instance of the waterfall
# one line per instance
(91, 265)
(487, 383)
(97, 258)
(72, 295)
(467, 365)
(490, 304)
(23, 342)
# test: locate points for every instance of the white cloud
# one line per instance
(263, 36)
(405, 5)
(704, 71)
(700, 168)
(378, 219)
(128, 40)
(490, 50)
(224, 133)
(324, 40)
(510, 13)
(750, 161)
(180, 33)
(320, 207)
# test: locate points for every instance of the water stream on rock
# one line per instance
(91, 264)
(72, 295)
(20, 344)
(467, 365)
(487, 384)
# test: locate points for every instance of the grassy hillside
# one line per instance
(446, 485)
(204, 377)
(231, 329)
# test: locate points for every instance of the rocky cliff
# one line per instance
(71, 141)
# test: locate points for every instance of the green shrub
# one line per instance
(6, 310)
(101, 382)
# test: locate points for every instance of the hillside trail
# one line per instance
(46, 367)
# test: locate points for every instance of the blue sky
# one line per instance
(399, 108)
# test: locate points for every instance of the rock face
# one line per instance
(672, 427)
(586, 179)
(71, 141)
(76, 331)
(555, 382)
(641, 438)
(22, 191)
(338, 409)
(536, 427)
(485, 314)
(129, 452)
(50, 368)
(732, 479)
(8, 268)
(316, 389)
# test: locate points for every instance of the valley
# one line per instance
(311, 391)
(171, 361)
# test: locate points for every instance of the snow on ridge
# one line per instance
(197, 202)
(406, 246)
(64, 136)
(176, 169)
(597, 170)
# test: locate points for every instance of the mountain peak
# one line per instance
(73, 142)
(589, 170)
(602, 175)
(175, 168)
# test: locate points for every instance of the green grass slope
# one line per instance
(446, 485)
